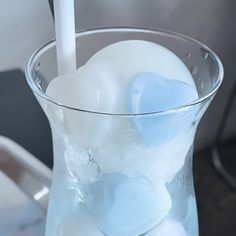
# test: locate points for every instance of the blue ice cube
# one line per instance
(128, 206)
(150, 93)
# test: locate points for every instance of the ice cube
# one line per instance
(169, 227)
(149, 92)
(80, 224)
(128, 206)
(125, 156)
(134, 56)
(92, 88)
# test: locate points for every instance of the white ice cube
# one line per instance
(169, 227)
(93, 88)
(128, 206)
(135, 56)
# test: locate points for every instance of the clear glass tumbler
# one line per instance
(106, 180)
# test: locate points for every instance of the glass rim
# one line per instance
(52, 43)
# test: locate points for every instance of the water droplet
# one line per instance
(90, 157)
(37, 67)
(189, 54)
(202, 85)
(194, 70)
(77, 192)
(205, 53)
(38, 82)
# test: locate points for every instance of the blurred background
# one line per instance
(25, 25)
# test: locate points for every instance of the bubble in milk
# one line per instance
(128, 206)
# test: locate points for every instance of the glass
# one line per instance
(104, 176)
